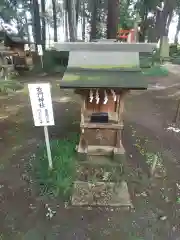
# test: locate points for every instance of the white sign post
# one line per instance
(40, 53)
(41, 103)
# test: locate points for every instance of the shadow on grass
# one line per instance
(155, 71)
(18, 128)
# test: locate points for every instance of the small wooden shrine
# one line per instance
(12, 51)
(103, 73)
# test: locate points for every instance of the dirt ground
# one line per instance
(156, 213)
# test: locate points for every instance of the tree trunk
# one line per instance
(37, 32)
(156, 31)
(169, 6)
(32, 19)
(143, 26)
(112, 18)
(94, 20)
(43, 20)
(169, 20)
(72, 25)
(77, 10)
(75, 16)
(177, 31)
(54, 20)
(66, 25)
(49, 34)
(36, 22)
(83, 23)
(27, 28)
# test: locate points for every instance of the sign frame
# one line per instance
(42, 110)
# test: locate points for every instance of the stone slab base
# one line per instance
(101, 194)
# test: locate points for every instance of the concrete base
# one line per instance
(101, 194)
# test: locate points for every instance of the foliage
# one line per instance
(173, 49)
(146, 60)
(175, 60)
(146, 5)
(16, 11)
(12, 11)
(174, 53)
(53, 62)
(49, 13)
(126, 15)
(9, 86)
(7, 11)
(59, 181)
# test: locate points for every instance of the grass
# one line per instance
(153, 159)
(10, 85)
(149, 156)
(155, 71)
(59, 181)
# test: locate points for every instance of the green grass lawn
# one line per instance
(59, 180)
(155, 71)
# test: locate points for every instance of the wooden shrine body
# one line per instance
(98, 74)
(101, 138)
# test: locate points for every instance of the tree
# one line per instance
(112, 18)
(177, 31)
(54, 20)
(83, 21)
(15, 11)
(125, 18)
(77, 7)
(166, 16)
(66, 24)
(178, 24)
(36, 23)
(70, 9)
(94, 15)
(144, 8)
(7, 10)
(43, 20)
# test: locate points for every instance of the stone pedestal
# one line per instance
(101, 194)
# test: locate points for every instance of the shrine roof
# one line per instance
(101, 46)
(16, 38)
(104, 65)
(104, 78)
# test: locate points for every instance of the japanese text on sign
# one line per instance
(41, 103)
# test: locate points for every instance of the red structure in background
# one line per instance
(123, 35)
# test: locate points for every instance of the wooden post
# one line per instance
(82, 147)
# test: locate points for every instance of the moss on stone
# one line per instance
(108, 67)
(104, 79)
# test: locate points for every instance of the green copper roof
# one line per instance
(104, 78)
